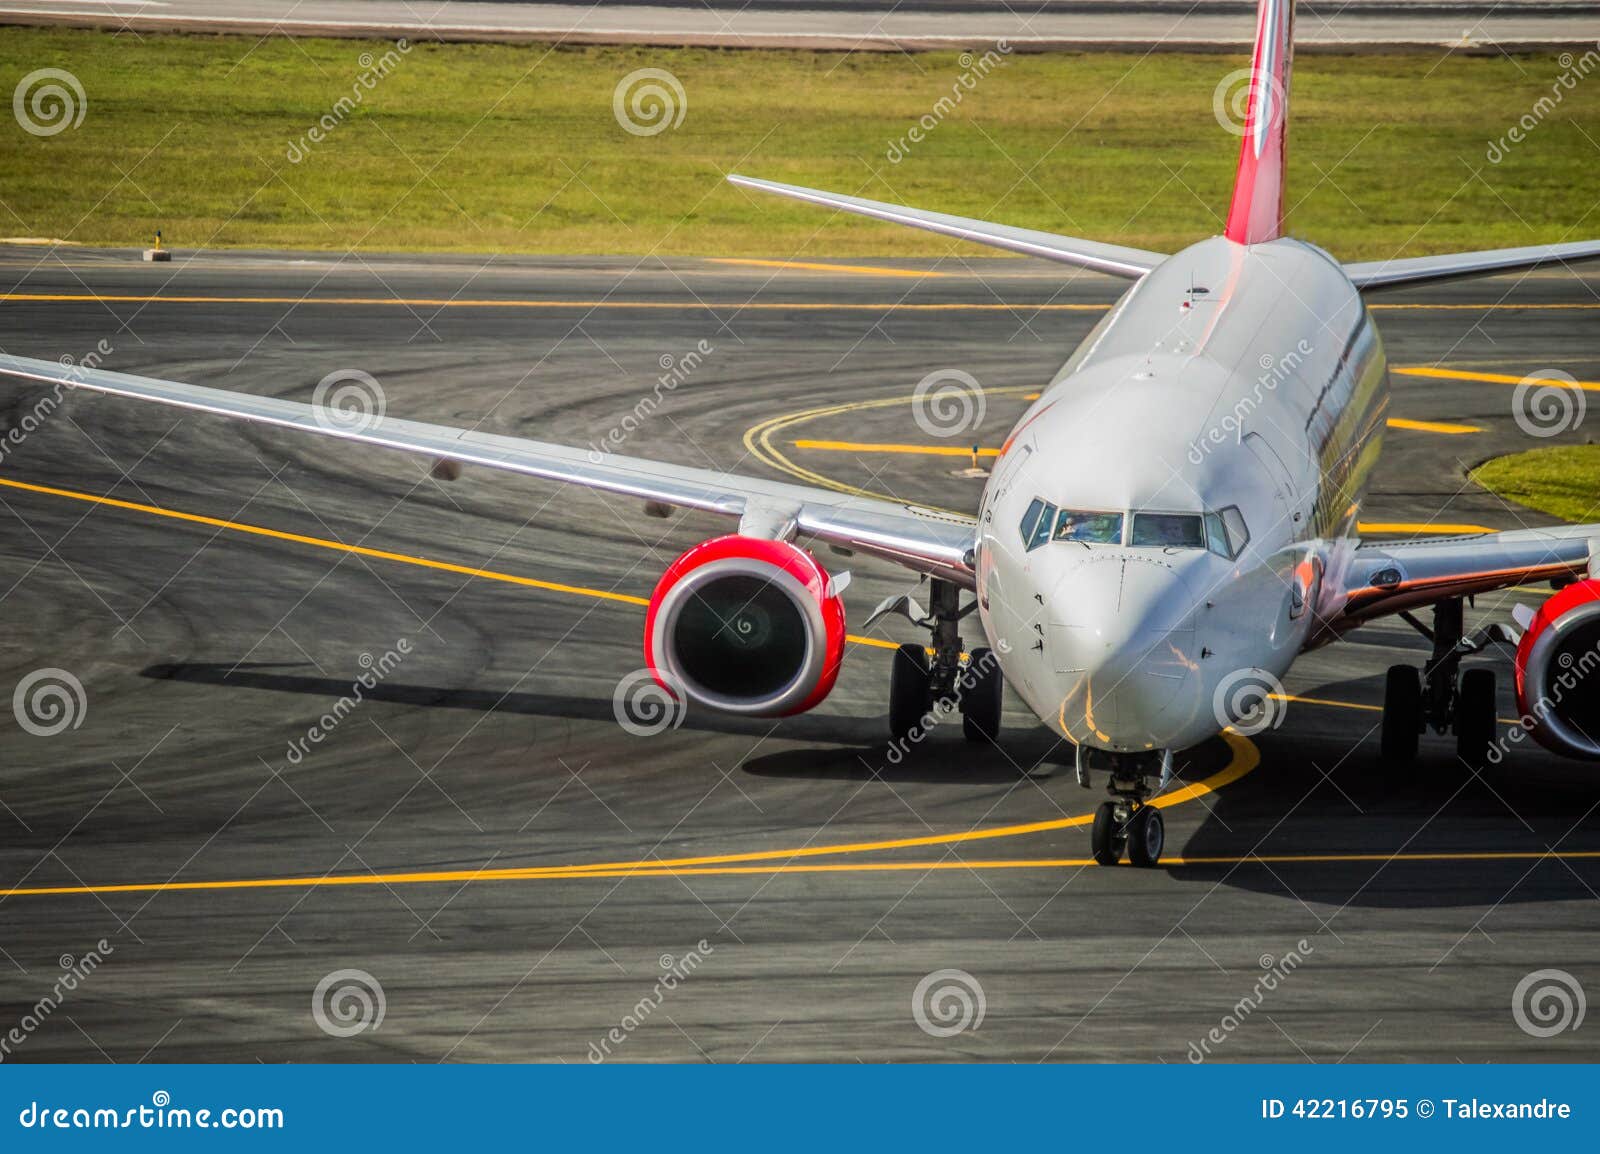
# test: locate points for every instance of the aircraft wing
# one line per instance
(925, 540)
(1380, 274)
(1114, 259)
(1387, 577)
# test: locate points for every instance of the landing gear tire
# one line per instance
(1106, 837)
(981, 697)
(910, 690)
(1147, 836)
(1475, 723)
(1402, 714)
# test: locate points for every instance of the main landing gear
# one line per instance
(1128, 821)
(1441, 694)
(917, 682)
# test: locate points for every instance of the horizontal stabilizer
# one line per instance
(1381, 274)
(1107, 258)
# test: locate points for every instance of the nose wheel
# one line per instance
(1128, 821)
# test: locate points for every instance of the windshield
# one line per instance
(1169, 530)
(1091, 528)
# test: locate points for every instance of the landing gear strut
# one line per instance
(1128, 821)
(917, 681)
(1440, 694)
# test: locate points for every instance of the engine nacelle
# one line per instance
(1558, 672)
(746, 625)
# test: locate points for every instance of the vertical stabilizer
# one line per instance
(1256, 214)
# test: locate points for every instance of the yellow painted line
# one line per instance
(358, 550)
(1245, 757)
(1419, 527)
(810, 266)
(1494, 378)
(740, 306)
(1357, 705)
(868, 447)
(1444, 427)
(512, 303)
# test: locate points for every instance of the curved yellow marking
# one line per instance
(1245, 758)
(1445, 427)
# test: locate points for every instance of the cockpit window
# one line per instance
(1226, 534)
(1090, 528)
(1238, 531)
(1169, 530)
(1036, 522)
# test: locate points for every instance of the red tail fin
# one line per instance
(1257, 211)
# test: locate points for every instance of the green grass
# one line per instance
(1563, 481)
(515, 148)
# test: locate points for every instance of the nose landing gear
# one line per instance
(1128, 821)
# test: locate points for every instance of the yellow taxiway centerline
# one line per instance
(1245, 757)
(1495, 378)
(689, 306)
(813, 266)
(358, 550)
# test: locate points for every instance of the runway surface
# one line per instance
(515, 870)
(858, 25)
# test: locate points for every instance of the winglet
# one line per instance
(1256, 214)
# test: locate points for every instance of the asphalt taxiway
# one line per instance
(515, 870)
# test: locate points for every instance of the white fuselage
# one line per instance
(1248, 383)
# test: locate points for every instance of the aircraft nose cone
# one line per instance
(1122, 642)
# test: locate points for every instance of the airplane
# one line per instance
(1173, 517)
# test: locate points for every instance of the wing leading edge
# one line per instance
(1114, 259)
(924, 540)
